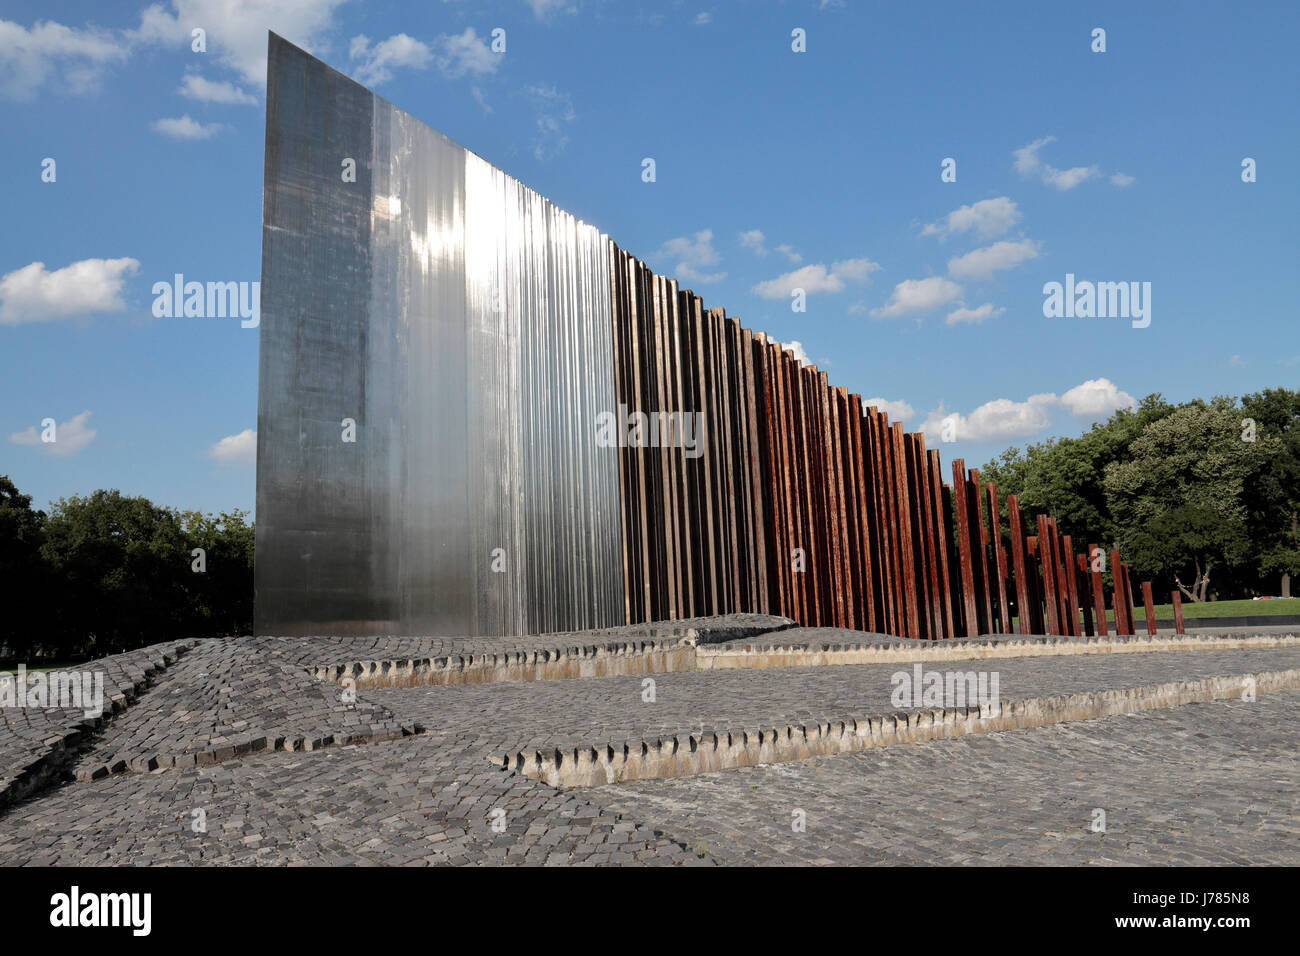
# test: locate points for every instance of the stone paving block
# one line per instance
(239, 730)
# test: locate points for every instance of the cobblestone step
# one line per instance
(687, 754)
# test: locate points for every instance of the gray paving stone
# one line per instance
(1213, 784)
(1203, 783)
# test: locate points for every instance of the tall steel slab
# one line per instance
(463, 323)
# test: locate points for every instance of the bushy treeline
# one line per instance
(1204, 494)
(106, 573)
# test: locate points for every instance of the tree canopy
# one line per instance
(1181, 489)
(108, 572)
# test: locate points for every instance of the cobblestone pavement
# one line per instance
(423, 800)
(224, 699)
(32, 738)
(1215, 783)
(210, 718)
(574, 712)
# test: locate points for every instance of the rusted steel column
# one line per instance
(1085, 588)
(1018, 559)
(929, 529)
(955, 600)
(684, 514)
(859, 539)
(709, 524)
(756, 395)
(889, 495)
(1177, 600)
(915, 521)
(1051, 600)
(1122, 623)
(1072, 586)
(1149, 606)
(819, 552)
(768, 463)
(1129, 604)
(789, 485)
(961, 506)
(1098, 588)
(980, 544)
(1038, 620)
(1058, 583)
(906, 534)
(834, 502)
(861, 506)
(941, 540)
(889, 524)
(999, 556)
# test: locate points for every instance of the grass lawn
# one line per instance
(1214, 609)
(1209, 609)
(12, 667)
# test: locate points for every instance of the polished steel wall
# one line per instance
(464, 323)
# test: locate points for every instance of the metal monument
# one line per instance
(478, 416)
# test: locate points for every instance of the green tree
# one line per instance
(21, 532)
(1179, 501)
(121, 566)
(1273, 499)
(1065, 477)
(221, 597)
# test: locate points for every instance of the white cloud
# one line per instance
(982, 263)
(693, 256)
(1122, 179)
(1028, 164)
(465, 54)
(899, 411)
(753, 239)
(918, 295)
(70, 437)
(817, 278)
(554, 113)
(998, 420)
(796, 349)
(236, 29)
(68, 58)
(200, 88)
(855, 270)
(240, 449)
(988, 218)
(1003, 419)
(375, 63)
(544, 8)
(1237, 361)
(184, 127)
(455, 55)
(1096, 399)
(31, 294)
(703, 19)
(974, 316)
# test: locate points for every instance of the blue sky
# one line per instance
(1122, 166)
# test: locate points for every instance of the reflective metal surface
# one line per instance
(463, 323)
